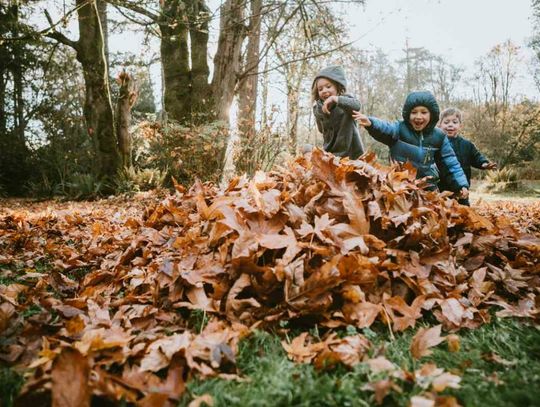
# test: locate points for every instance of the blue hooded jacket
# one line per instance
(428, 150)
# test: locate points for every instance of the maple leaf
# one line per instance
(235, 307)
(424, 339)
(452, 310)
(351, 349)
(409, 313)
(362, 314)
(101, 338)
(160, 352)
(301, 351)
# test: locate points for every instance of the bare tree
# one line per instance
(495, 75)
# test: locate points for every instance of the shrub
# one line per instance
(529, 170)
(503, 180)
(82, 186)
(261, 153)
(133, 179)
(188, 153)
(502, 175)
(43, 188)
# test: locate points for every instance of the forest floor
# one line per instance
(496, 364)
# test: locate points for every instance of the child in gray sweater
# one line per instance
(333, 113)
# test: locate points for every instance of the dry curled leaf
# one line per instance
(425, 339)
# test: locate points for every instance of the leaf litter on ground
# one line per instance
(322, 241)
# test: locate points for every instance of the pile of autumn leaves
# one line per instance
(326, 242)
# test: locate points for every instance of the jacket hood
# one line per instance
(335, 73)
(421, 98)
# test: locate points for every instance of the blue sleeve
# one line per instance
(383, 131)
(449, 159)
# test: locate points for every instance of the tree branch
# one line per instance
(58, 36)
(135, 8)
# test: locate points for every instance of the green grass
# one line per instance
(10, 385)
(273, 380)
(269, 378)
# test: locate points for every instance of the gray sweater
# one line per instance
(339, 130)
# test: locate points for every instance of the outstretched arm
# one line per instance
(380, 130)
(348, 103)
(479, 161)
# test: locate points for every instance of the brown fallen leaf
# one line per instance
(382, 388)
(380, 364)
(454, 343)
(445, 380)
(70, 377)
(300, 351)
(424, 339)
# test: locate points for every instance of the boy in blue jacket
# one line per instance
(333, 113)
(466, 152)
(417, 139)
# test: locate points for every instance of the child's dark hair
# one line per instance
(451, 111)
(315, 93)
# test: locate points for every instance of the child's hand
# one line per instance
(489, 166)
(328, 103)
(362, 119)
(464, 193)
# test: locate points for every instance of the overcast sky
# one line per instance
(460, 30)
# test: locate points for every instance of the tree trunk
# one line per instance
(98, 110)
(175, 60)
(14, 170)
(4, 56)
(3, 119)
(227, 61)
(126, 99)
(264, 96)
(18, 101)
(200, 88)
(247, 92)
(292, 116)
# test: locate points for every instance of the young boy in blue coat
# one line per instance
(417, 139)
(333, 113)
(466, 152)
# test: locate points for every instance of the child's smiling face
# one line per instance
(419, 118)
(325, 88)
(451, 125)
